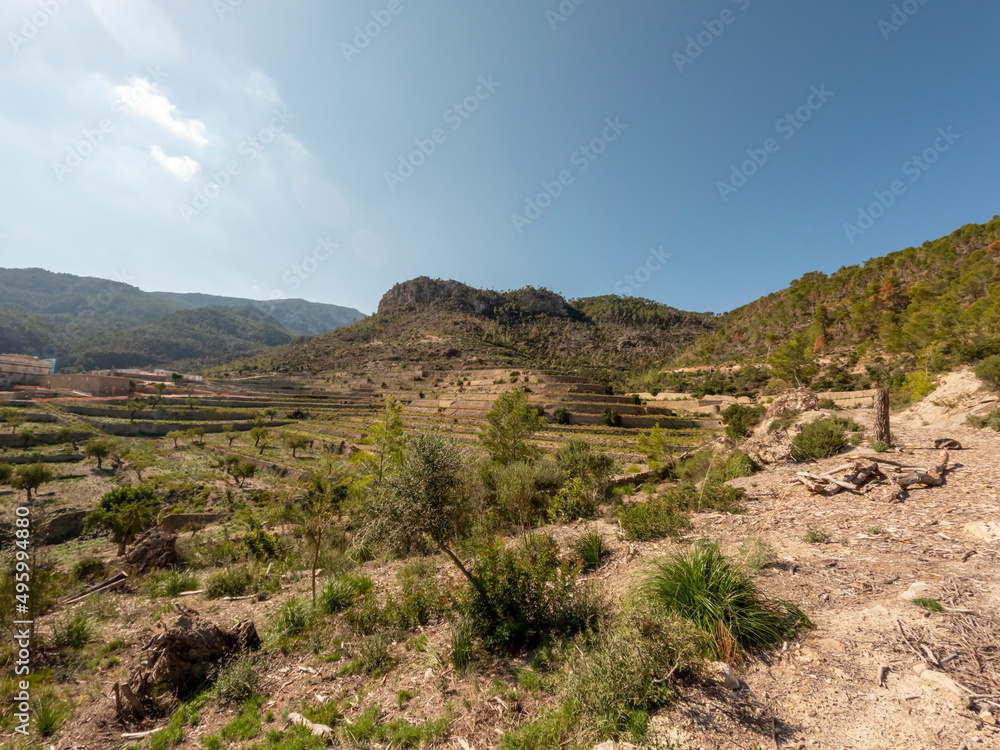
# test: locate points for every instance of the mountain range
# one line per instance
(88, 323)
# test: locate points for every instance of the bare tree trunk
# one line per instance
(882, 416)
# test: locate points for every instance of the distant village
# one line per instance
(26, 377)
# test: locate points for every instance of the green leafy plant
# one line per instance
(927, 603)
(591, 550)
(652, 519)
(740, 419)
(126, 512)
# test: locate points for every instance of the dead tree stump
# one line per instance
(882, 416)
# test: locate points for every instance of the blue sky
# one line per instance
(327, 150)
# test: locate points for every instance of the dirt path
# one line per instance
(825, 691)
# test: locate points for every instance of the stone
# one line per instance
(725, 673)
(943, 683)
(916, 591)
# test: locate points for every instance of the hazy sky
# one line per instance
(697, 153)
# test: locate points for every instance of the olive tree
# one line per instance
(423, 498)
(509, 424)
(126, 512)
(29, 478)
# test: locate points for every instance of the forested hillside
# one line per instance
(936, 305)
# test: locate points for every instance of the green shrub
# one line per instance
(461, 644)
(421, 597)
(816, 535)
(611, 417)
(989, 372)
(552, 730)
(618, 682)
(50, 713)
(73, 631)
(562, 416)
(240, 580)
(365, 617)
(373, 658)
(879, 447)
(783, 421)
(341, 591)
(239, 678)
(590, 550)
(828, 403)
(991, 420)
(164, 583)
(655, 518)
(917, 385)
(89, 567)
(739, 464)
(714, 594)
(260, 544)
(526, 594)
(571, 502)
(821, 439)
(927, 603)
(291, 620)
(740, 419)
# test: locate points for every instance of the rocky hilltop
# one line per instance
(425, 292)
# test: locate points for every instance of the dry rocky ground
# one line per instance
(862, 678)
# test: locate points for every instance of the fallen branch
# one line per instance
(115, 582)
(831, 480)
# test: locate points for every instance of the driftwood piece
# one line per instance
(948, 443)
(320, 730)
(831, 480)
(926, 478)
(139, 735)
(818, 488)
(862, 472)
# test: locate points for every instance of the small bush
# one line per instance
(739, 464)
(365, 617)
(239, 679)
(50, 713)
(373, 657)
(340, 592)
(879, 447)
(815, 535)
(291, 620)
(917, 385)
(705, 588)
(611, 417)
(240, 580)
(421, 596)
(526, 595)
(927, 603)
(260, 544)
(571, 502)
(821, 439)
(828, 403)
(73, 631)
(591, 550)
(652, 519)
(562, 416)
(989, 372)
(461, 644)
(783, 421)
(620, 681)
(164, 583)
(740, 419)
(88, 568)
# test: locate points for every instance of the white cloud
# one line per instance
(182, 167)
(140, 96)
